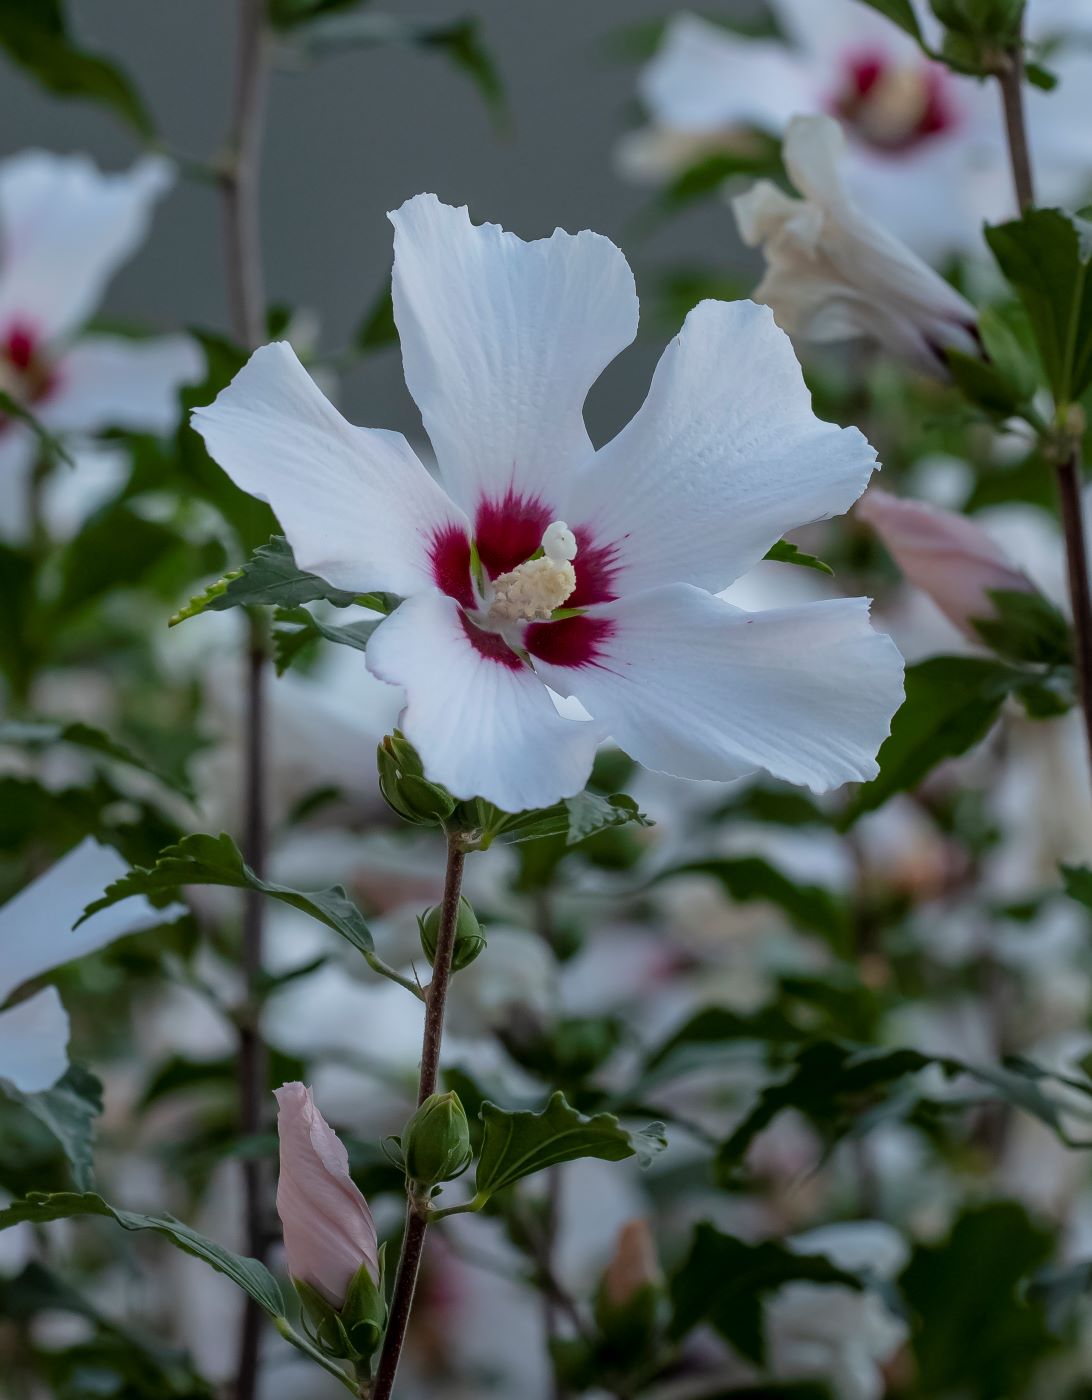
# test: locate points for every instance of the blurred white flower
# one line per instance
(501, 342)
(927, 155)
(36, 935)
(65, 228)
(839, 1334)
(834, 273)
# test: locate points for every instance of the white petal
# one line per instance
(107, 381)
(691, 686)
(501, 341)
(704, 78)
(356, 504)
(65, 228)
(483, 726)
(34, 1042)
(835, 30)
(723, 457)
(36, 925)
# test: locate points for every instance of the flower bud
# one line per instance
(329, 1234)
(436, 1141)
(469, 940)
(403, 784)
(631, 1291)
(945, 555)
(833, 273)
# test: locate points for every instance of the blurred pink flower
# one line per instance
(946, 555)
(328, 1229)
(634, 1264)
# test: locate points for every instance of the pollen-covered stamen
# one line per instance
(531, 591)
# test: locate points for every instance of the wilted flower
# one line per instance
(329, 1234)
(833, 273)
(926, 153)
(36, 935)
(542, 565)
(65, 228)
(945, 555)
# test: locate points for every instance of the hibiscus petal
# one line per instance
(65, 228)
(36, 932)
(107, 381)
(18, 452)
(703, 78)
(356, 504)
(34, 1042)
(689, 685)
(481, 719)
(501, 341)
(723, 457)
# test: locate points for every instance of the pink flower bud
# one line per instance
(634, 1265)
(946, 555)
(328, 1229)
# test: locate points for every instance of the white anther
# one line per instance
(531, 591)
(559, 543)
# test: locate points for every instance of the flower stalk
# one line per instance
(239, 182)
(1064, 448)
(413, 1240)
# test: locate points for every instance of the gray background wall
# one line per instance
(354, 136)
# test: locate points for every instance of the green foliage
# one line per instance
(951, 705)
(785, 552)
(216, 860)
(268, 578)
(518, 1144)
(724, 1281)
(250, 1275)
(1027, 628)
(45, 734)
(974, 1332)
(1045, 256)
(811, 908)
(34, 34)
(297, 629)
(68, 1110)
(759, 157)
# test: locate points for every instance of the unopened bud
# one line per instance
(404, 786)
(469, 940)
(436, 1141)
(631, 1292)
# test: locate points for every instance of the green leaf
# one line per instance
(715, 1026)
(575, 818)
(985, 385)
(785, 552)
(1026, 627)
(303, 628)
(117, 548)
(970, 1286)
(900, 12)
(39, 734)
(812, 908)
(68, 1110)
(34, 35)
(250, 1275)
(269, 577)
(1045, 256)
(951, 704)
(216, 860)
(723, 1281)
(1078, 883)
(708, 175)
(515, 1145)
(459, 40)
(377, 330)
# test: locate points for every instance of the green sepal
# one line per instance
(354, 1332)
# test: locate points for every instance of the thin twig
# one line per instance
(239, 181)
(413, 1240)
(1010, 78)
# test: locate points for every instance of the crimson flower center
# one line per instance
(26, 373)
(890, 106)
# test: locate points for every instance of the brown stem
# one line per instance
(240, 187)
(1010, 77)
(413, 1241)
(1068, 472)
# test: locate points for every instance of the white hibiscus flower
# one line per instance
(36, 935)
(541, 565)
(926, 156)
(65, 228)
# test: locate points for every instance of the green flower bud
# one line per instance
(436, 1141)
(354, 1332)
(469, 940)
(403, 784)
